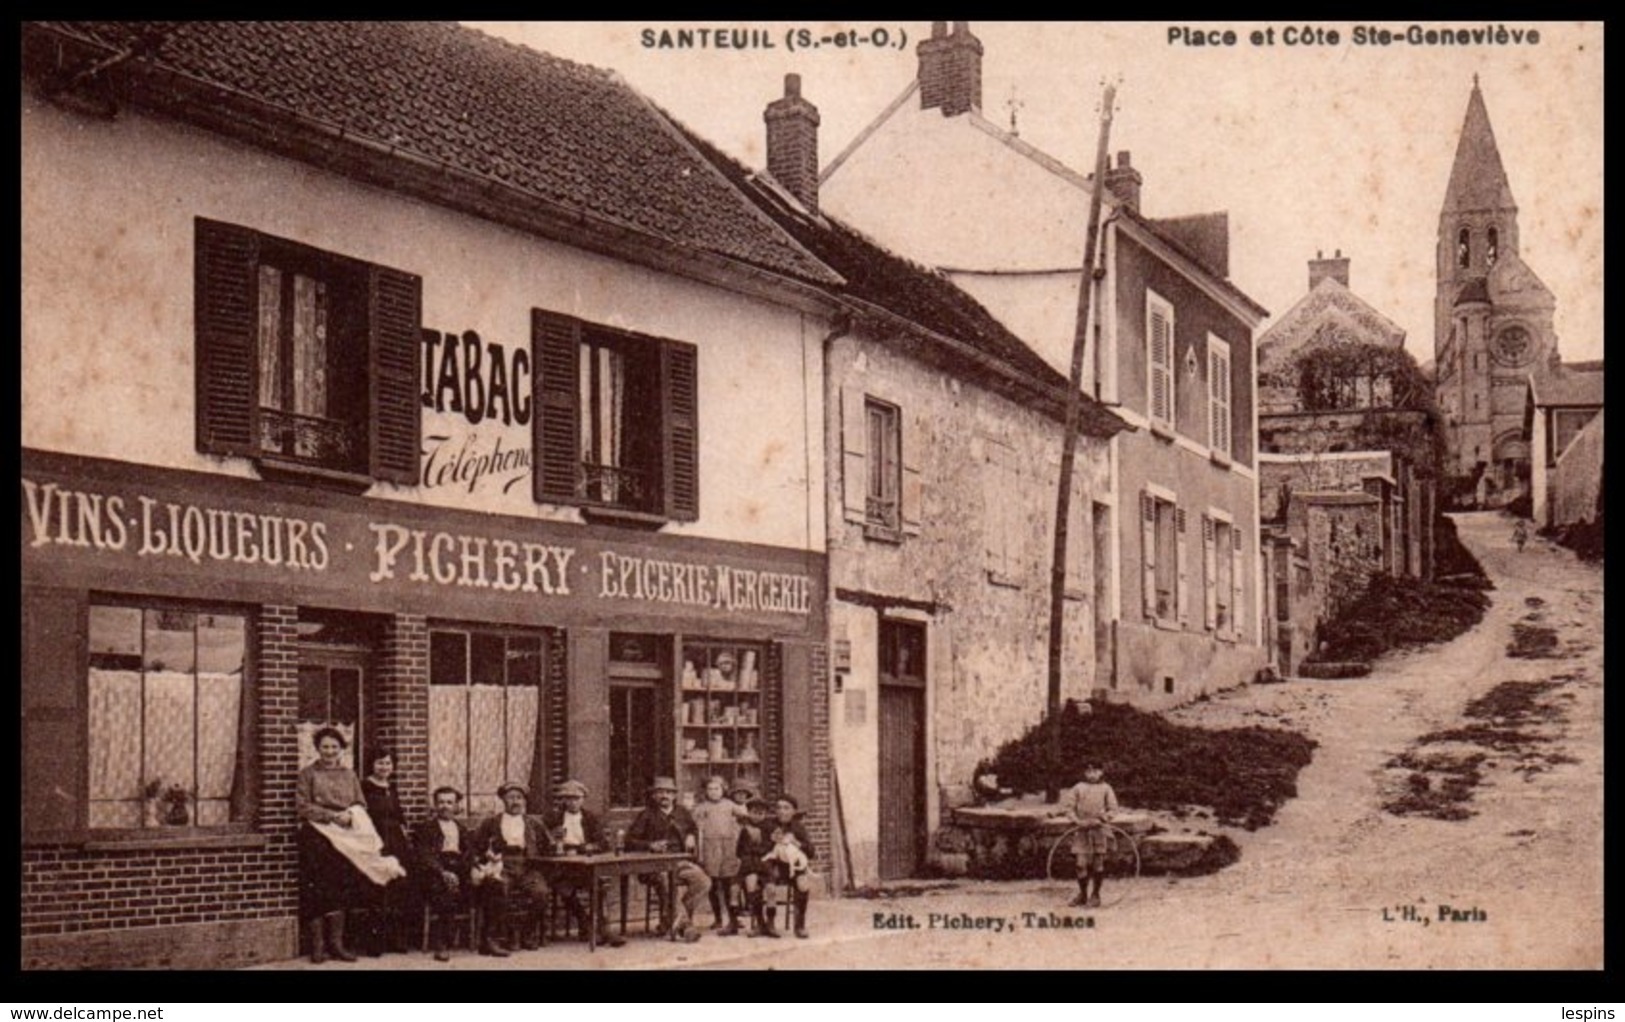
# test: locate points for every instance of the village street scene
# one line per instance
(532, 496)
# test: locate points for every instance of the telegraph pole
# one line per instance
(1069, 450)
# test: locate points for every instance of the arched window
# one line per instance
(1492, 248)
(1464, 248)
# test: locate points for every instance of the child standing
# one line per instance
(718, 820)
(755, 844)
(1090, 802)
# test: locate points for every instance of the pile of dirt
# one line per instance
(1584, 538)
(1244, 774)
(1452, 559)
(1514, 703)
(1532, 642)
(1399, 612)
(1439, 786)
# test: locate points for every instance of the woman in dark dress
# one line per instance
(392, 907)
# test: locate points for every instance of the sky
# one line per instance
(1324, 146)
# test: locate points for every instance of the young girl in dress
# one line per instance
(718, 820)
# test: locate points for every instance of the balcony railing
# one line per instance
(312, 439)
(616, 486)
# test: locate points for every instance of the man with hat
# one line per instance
(520, 840)
(664, 826)
(576, 831)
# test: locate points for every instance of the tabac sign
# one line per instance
(236, 538)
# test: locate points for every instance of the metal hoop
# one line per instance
(1127, 841)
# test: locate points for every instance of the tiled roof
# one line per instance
(1478, 181)
(572, 135)
(1565, 387)
(922, 296)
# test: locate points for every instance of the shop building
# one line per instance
(368, 382)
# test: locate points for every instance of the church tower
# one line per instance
(1492, 318)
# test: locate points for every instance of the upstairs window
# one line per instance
(616, 431)
(1159, 343)
(307, 361)
(882, 483)
(1218, 378)
(1464, 248)
(1492, 248)
(883, 497)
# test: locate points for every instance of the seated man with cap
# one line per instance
(520, 840)
(664, 826)
(577, 831)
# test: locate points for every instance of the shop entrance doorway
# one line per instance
(902, 748)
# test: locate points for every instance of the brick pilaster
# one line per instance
(401, 711)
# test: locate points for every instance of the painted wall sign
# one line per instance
(238, 534)
(477, 406)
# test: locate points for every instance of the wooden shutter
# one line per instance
(394, 330)
(555, 425)
(226, 324)
(1236, 630)
(772, 731)
(913, 443)
(1181, 553)
(854, 463)
(551, 764)
(1219, 400)
(679, 390)
(55, 645)
(1148, 553)
(1162, 360)
(1210, 580)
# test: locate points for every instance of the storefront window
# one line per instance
(167, 701)
(484, 711)
(720, 714)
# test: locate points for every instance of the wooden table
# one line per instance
(586, 870)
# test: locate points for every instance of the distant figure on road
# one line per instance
(1520, 534)
(1090, 802)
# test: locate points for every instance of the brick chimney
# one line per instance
(792, 143)
(1337, 268)
(1124, 181)
(950, 69)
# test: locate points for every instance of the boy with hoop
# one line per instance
(1090, 802)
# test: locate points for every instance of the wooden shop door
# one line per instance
(902, 748)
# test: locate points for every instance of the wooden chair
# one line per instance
(465, 920)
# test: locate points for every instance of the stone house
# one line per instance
(1171, 352)
(367, 381)
(1342, 411)
(942, 436)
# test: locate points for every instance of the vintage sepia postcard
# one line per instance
(811, 495)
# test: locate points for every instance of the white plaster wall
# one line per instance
(107, 297)
(855, 735)
(996, 209)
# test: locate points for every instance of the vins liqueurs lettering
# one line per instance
(81, 518)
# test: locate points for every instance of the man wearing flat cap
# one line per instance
(664, 826)
(577, 831)
(520, 840)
